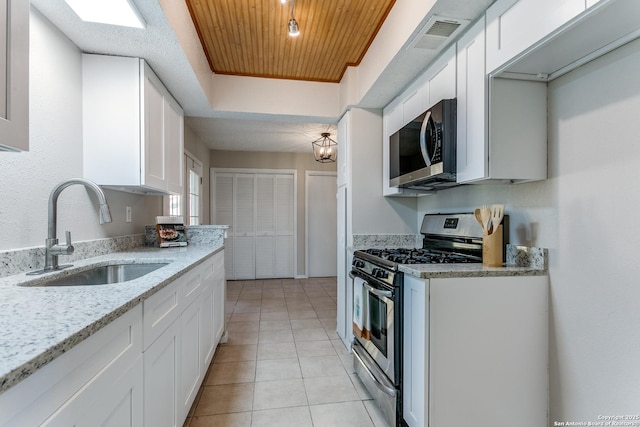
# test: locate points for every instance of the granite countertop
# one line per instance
(37, 324)
(427, 271)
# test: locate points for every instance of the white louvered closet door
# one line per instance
(260, 210)
(284, 232)
(265, 226)
(244, 227)
(223, 208)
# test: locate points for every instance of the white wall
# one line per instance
(585, 215)
(55, 154)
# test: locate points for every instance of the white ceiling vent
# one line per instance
(437, 31)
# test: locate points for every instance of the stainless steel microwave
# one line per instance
(422, 155)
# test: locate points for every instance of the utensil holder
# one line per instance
(492, 250)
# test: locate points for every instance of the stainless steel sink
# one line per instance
(101, 275)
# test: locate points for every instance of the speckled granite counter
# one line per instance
(37, 324)
(521, 261)
(427, 271)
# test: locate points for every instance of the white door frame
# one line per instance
(306, 213)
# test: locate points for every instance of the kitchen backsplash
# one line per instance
(20, 260)
(196, 235)
(524, 256)
(365, 241)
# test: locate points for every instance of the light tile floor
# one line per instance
(283, 364)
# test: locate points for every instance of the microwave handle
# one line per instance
(423, 138)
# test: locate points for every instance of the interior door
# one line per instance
(223, 214)
(322, 225)
(285, 226)
(244, 223)
(265, 226)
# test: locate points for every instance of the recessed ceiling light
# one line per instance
(113, 12)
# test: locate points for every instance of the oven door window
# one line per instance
(378, 323)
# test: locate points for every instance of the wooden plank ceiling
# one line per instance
(250, 37)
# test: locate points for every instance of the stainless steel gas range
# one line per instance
(378, 295)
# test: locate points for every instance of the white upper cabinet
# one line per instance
(472, 140)
(441, 78)
(501, 123)
(436, 83)
(515, 25)
(133, 128)
(14, 76)
(576, 39)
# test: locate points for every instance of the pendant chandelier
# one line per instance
(325, 149)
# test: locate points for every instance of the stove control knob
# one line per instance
(380, 273)
(358, 263)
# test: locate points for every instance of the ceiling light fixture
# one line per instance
(113, 12)
(294, 30)
(324, 148)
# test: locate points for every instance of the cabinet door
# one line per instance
(472, 141)
(413, 106)
(14, 76)
(442, 78)
(219, 296)
(159, 311)
(174, 144)
(97, 375)
(515, 25)
(113, 398)
(207, 345)
(416, 351)
(190, 367)
(154, 172)
(161, 380)
(488, 351)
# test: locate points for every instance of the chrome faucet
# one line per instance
(52, 248)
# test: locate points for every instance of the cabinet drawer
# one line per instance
(190, 287)
(159, 311)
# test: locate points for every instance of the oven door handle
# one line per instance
(386, 388)
(378, 292)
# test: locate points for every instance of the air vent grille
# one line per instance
(442, 28)
(437, 31)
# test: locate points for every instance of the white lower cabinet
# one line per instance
(475, 351)
(144, 368)
(98, 382)
(176, 362)
(191, 370)
(415, 351)
(161, 379)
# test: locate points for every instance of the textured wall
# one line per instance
(55, 154)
